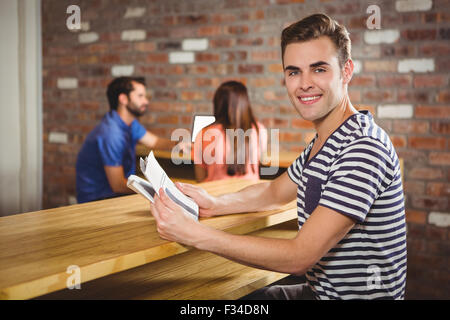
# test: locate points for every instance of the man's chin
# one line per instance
(137, 113)
(308, 116)
(140, 113)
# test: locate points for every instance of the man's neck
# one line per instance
(125, 115)
(327, 125)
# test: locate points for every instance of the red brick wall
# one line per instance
(410, 99)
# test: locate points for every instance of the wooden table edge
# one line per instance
(58, 281)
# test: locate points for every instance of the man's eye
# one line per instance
(292, 73)
(318, 70)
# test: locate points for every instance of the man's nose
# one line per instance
(306, 82)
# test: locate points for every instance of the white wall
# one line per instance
(20, 107)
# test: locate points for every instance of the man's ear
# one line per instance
(122, 99)
(347, 71)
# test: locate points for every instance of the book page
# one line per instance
(141, 186)
(159, 179)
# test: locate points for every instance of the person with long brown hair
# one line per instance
(232, 145)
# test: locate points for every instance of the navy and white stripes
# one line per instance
(357, 174)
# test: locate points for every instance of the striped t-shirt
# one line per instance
(356, 173)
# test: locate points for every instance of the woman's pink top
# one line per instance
(211, 147)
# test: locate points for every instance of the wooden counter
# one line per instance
(192, 275)
(101, 238)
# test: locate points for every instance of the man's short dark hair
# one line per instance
(315, 26)
(121, 85)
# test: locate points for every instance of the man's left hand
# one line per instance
(172, 221)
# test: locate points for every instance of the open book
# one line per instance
(156, 179)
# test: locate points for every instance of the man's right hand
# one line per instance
(207, 203)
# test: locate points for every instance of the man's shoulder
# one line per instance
(105, 135)
(363, 129)
(108, 127)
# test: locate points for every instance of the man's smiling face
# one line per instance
(313, 77)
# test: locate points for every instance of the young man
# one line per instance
(107, 157)
(351, 242)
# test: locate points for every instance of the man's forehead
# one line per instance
(311, 51)
(138, 86)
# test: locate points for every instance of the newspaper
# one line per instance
(156, 179)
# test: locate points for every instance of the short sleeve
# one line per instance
(356, 179)
(294, 171)
(137, 131)
(111, 150)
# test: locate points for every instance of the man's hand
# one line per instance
(205, 201)
(172, 221)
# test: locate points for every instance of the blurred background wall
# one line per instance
(21, 106)
(185, 49)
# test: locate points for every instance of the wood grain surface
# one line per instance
(195, 274)
(101, 238)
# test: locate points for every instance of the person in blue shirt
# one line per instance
(107, 156)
